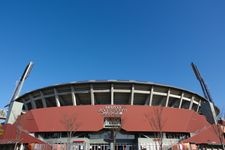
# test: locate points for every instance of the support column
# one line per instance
(112, 94)
(92, 95)
(25, 106)
(151, 95)
(56, 98)
(43, 100)
(21, 147)
(73, 96)
(213, 112)
(199, 104)
(147, 101)
(181, 99)
(191, 103)
(132, 95)
(167, 98)
(32, 102)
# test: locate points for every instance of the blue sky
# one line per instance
(134, 40)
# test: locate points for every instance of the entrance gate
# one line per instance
(78, 146)
(99, 147)
(125, 147)
(117, 147)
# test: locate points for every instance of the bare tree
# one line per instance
(219, 128)
(113, 120)
(155, 120)
(71, 125)
(19, 130)
(115, 130)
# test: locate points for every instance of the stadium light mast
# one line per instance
(15, 108)
(206, 92)
(21, 81)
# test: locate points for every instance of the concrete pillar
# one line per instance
(213, 112)
(21, 147)
(25, 106)
(15, 109)
(112, 147)
(112, 94)
(199, 104)
(73, 96)
(147, 101)
(167, 98)
(181, 100)
(56, 98)
(33, 104)
(151, 96)
(132, 95)
(43, 100)
(92, 95)
(191, 103)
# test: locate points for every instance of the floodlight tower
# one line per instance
(14, 107)
(206, 93)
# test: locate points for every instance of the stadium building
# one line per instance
(112, 114)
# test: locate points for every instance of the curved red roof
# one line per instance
(13, 134)
(209, 135)
(135, 119)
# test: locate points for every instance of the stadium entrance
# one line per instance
(117, 147)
